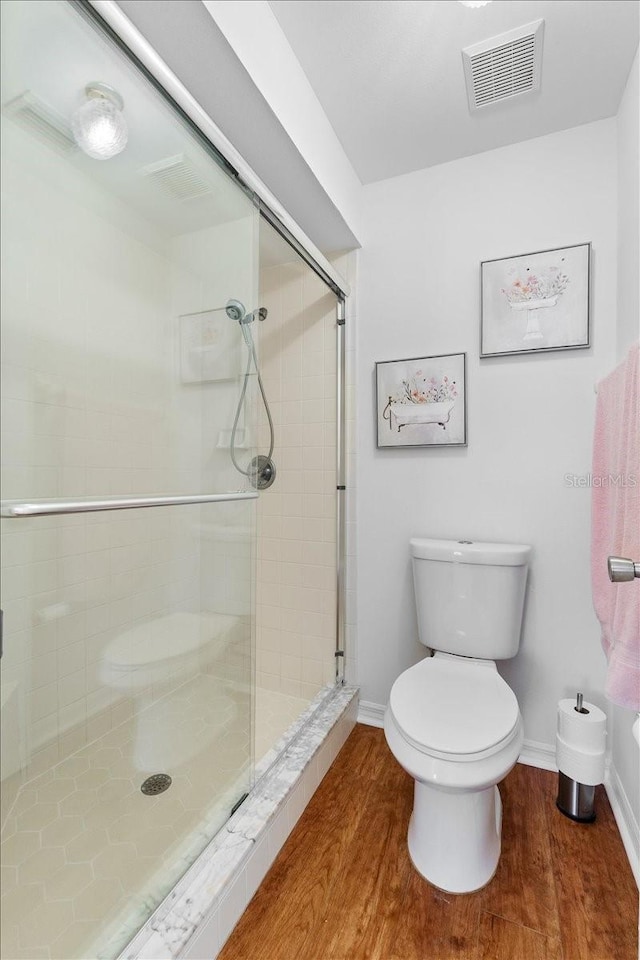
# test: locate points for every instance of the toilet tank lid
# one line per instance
(463, 551)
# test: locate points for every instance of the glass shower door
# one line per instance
(127, 675)
(296, 616)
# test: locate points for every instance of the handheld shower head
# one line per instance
(235, 310)
(261, 470)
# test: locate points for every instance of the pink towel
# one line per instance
(615, 526)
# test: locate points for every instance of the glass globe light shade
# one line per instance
(98, 125)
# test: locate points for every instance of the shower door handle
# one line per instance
(622, 570)
(49, 508)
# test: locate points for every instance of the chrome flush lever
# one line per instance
(622, 570)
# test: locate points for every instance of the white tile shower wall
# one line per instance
(79, 415)
(211, 267)
(296, 588)
(93, 405)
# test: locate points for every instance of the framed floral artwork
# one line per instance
(535, 302)
(422, 401)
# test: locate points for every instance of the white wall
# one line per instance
(281, 133)
(628, 130)
(530, 418)
(625, 754)
(259, 42)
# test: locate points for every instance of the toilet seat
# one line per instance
(454, 709)
(165, 648)
(168, 638)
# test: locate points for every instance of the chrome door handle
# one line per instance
(50, 508)
(621, 570)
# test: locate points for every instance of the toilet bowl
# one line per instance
(172, 647)
(455, 727)
(151, 662)
(452, 722)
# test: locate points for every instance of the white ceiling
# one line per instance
(52, 53)
(389, 74)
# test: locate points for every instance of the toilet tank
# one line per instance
(470, 596)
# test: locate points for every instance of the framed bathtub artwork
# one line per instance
(422, 401)
(535, 302)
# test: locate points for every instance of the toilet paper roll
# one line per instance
(581, 765)
(582, 731)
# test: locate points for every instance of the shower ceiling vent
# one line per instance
(177, 177)
(40, 119)
(505, 66)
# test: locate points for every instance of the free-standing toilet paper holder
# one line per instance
(576, 800)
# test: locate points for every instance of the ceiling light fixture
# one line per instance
(98, 125)
(474, 3)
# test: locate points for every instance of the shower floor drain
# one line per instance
(158, 783)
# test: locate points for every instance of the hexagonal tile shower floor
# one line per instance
(86, 856)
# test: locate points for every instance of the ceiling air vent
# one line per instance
(177, 177)
(505, 66)
(42, 120)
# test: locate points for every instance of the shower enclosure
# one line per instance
(164, 621)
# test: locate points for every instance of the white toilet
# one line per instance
(151, 661)
(452, 721)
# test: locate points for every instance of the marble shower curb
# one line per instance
(196, 918)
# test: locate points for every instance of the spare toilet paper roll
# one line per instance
(584, 731)
(580, 765)
(580, 742)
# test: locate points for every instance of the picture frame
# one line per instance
(422, 401)
(536, 302)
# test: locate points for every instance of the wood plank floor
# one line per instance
(343, 887)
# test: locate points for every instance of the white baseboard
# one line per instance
(543, 755)
(625, 819)
(537, 754)
(371, 713)
(534, 753)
